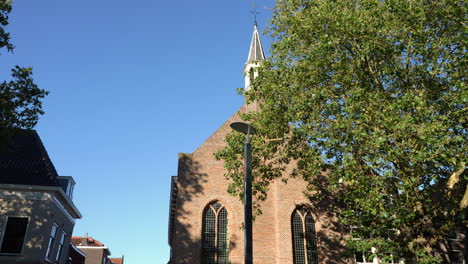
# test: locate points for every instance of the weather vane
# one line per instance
(255, 13)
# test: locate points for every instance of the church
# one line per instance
(205, 222)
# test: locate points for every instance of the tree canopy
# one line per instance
(375, 92)
(20, 97)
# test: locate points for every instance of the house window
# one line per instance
(61, 245)
(455, 248)
(360, 257)
(69, 191)
(456, 257)
(15, 232)
(303, 235)
(251, 75)
(363, 257)
(369, 257)
(215, 234)
(53, 234)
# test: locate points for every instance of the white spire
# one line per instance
(256, 53)
(256, 56)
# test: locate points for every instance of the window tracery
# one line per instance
(215, 234)
(303, 236)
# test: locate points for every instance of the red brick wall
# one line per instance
(201, 180)
(93, 255)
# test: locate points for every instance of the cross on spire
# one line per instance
(255, 13)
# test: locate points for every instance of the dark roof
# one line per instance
(25, 161)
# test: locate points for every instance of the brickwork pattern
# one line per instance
(201, 180)
(93, 255)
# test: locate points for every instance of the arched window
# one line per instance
(303, 236)
(251, 75)
(215, 234)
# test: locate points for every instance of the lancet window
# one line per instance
(215, 234)
(303, 236)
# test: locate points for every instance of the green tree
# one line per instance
(20, 98)
(375, 92)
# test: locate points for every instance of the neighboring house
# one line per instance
(37, 214)
(76, 256)
(117, 260)
(205, 222)
(96, 252)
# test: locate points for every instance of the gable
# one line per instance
(216, 140)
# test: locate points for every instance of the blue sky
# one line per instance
(132, 83)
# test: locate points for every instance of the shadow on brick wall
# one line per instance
(330, 238)
(185, 242)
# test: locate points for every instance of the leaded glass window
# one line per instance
(215, 234)
(303, 237)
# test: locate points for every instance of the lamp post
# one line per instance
(248, 130)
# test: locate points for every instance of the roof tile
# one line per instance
(77, 241)
(116, 260)
(26, 161)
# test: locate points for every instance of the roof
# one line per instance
(91, 242)
(256, 49)
(75, 250)
(26, 161)
(117, 260)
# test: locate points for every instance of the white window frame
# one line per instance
(61, 246)
(373, 250)
(52, 237)
(69, 190)
(363, 255)
(2, 235)
(461, 254)
(456, 239)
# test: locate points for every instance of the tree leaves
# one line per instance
(20, 98)
(5, 9)
(376, 92)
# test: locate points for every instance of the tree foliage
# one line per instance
(20, 98)
(374, 91)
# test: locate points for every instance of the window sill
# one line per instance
(11, 254)
(47, 260)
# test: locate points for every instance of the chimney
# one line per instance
(84, 240)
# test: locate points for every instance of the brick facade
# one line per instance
(96, 252)
(201, 180)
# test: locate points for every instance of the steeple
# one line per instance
(256, 56)
(256, 53)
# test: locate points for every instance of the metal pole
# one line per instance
(248, 200)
